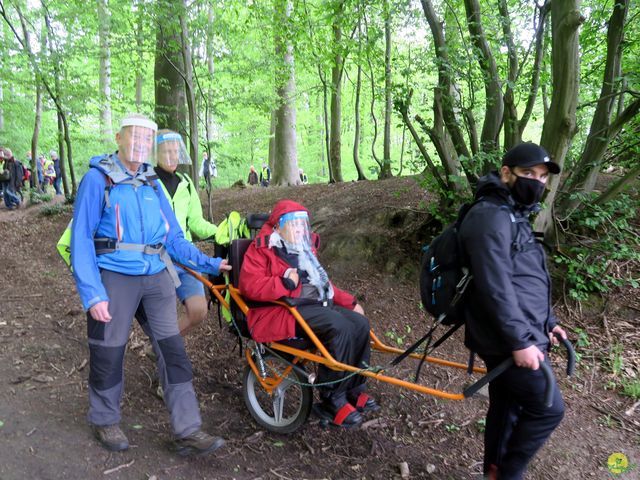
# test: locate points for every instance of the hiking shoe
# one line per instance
(111, 437)
(197, 443)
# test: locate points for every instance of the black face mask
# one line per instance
(527, 191)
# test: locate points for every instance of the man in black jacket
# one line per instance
(509, 309)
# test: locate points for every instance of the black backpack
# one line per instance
(444, 274)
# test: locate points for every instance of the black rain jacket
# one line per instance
(508, 303)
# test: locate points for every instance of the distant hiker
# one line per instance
(185, 202)
(508, 309)
(11, 176)
(303, 177)
(208, 169)
(253, 176)
(49, 170)
(56, 170)
(265, 175)
(282, 262)
(122, 234)
(40, 171)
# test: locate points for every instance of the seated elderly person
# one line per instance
(281, 262)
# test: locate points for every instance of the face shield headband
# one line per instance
(295, 230)
(136, 140)
(171, 150)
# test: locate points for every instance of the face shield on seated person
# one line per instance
(136, 141)
(171, 151)
(295, 231)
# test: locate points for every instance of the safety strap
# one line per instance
(109, 245)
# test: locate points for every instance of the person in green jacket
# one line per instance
(183, 197)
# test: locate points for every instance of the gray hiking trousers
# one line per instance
(156, 294)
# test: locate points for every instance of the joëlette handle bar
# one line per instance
(544, 366)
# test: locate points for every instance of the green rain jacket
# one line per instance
(186, 205)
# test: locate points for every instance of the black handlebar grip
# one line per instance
(548, 376)
(571, 354)
(544, 366)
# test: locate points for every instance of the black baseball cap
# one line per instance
(528, 155)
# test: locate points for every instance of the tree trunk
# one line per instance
(104, 28)
(586, 171)
(356, 135)
(140, 51)
(285, 168)
(170, 95)
(385, 171)
(560, 123)
(36, 127)
(494, 107)
(190, 93)
(272, 139)
(619, 186)
(445, 81)
(62, 157)
(336, 100)
(211, 71)
(511, 127)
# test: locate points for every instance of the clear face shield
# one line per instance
(171, 151)
(136, 140)
(295, 230)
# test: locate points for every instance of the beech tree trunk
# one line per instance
(385, 171)
(494, 106)
(560, 123)
(586, 171)
(104, 28)
(170, 94)
(285, 168)
(140, 51)
(336, 100)
(190, 94)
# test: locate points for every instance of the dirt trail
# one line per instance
(43, 368)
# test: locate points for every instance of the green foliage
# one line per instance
(56, 209)
(36, 197)
(603, 242)
(631, 389)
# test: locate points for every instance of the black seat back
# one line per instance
(236, 255)
(255, 221)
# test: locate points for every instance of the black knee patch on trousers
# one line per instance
(106, 366)
(176, 360)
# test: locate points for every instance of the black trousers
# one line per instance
(345, 334)
(518, 423)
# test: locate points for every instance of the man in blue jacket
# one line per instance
(123, 233)
(509, 310)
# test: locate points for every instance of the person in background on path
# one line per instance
(12, 171)
(508, 311)
(303, 177)
(40, 171)
(282, 262)
(49, 171)
(208, 169)
(265, 175)
(58, 173)
(120, 258)
(253, 176)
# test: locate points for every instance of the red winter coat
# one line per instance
(261, 280)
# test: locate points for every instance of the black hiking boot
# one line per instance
(111, 437)
(197, 443)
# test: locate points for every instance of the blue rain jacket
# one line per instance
(140, 215)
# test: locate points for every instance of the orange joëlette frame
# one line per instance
(324, 357)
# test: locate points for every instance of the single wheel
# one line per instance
(287, 407)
